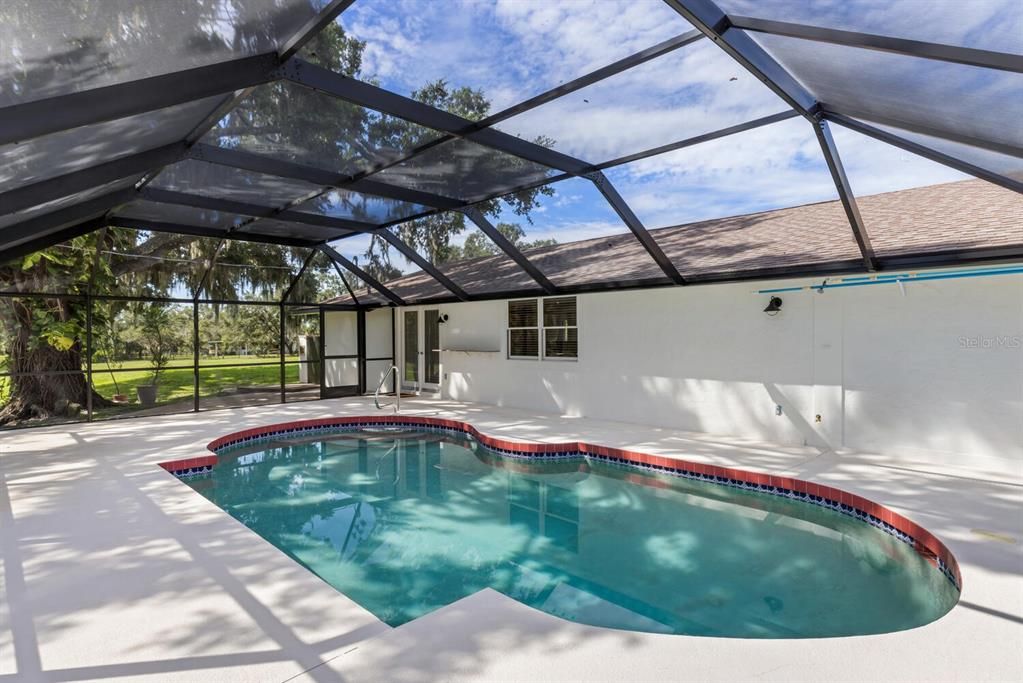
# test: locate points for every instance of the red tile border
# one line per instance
(926, 543)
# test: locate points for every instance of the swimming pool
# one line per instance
(406, 522)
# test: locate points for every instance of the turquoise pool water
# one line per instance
(405, 523)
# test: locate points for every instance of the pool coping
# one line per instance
(900, 527)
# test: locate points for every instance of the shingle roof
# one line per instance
(969, 214)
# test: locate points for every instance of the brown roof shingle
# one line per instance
(968, 214)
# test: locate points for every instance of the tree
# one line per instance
(484, 170)
(477, 245)
(47, 334)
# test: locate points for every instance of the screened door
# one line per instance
(340, 353)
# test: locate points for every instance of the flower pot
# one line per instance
(147, 395)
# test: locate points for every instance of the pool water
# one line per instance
(405, 523)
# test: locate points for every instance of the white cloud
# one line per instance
(512, 49)
(691, 91)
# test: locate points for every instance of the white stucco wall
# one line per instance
(938, 369)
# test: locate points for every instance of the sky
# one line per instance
(514, 49)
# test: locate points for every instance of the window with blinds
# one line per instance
(560, 332)
(558, 329)
(523, 329)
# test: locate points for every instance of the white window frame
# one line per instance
(541, 352)
(537, 328)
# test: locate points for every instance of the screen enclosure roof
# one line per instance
(581, 145)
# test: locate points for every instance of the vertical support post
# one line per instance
(360, 326)
(88, 356)
(394, 351)
(845, 193)
(195, 357)
(323, 352)
(283, 337)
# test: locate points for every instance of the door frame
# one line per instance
(420, 385)
(360, 355)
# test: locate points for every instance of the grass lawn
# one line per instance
(175, 383)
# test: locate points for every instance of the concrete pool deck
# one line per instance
(111, 568)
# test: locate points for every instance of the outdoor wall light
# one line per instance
(773, 306)
(442, 318)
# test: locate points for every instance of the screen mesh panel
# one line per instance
(357, 206)
(693, 90)
(464, 170)
(271, 227)
(293, 123)
(509, 51)
(65, 202)
(67, 273)
(252, 271)
(70, 150)
(156, 264)
(321, 281)
(945, 98)
(53, 47)
(1002, 164)
(987, 24)
(482, 267)
(971, 214)
(764, 168)
(144, 210)
(212, 180)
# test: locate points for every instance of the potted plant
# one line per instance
(155, 342)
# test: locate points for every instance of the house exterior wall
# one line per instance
(935, 370)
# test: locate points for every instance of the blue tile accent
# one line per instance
(617, 461)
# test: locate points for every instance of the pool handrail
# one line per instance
(397, 390)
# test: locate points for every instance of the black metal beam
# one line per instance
(246, 209)
(361, 274)
(505, 245)
(636, 226)
(301, 272)
(845, 193)
(370, 96)
(696, 140)
(27, 196)
(869, 41)
(714, 23)
(926, 152)
(31, 119)
(258, 163)
(305, 33)
(309, 30)
(497, 194)
(344, 281)
(635, 59)
(37, 228)
(209, 268)
(51, 238)
(851, 111)
(427, 267)
(203, 231)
